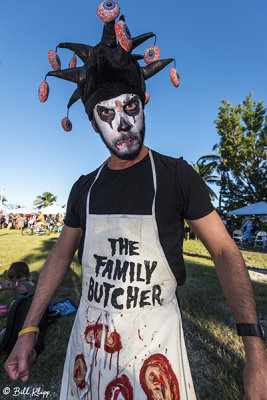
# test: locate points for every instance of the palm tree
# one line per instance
(206, 171)
(46, 199)
(220, 166)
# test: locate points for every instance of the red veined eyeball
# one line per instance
(123, 35)
(54, 60)
(175, 77)
(73, 61)
(43, 91)
(151, 54)
(108, 10)
(66, 124)
(147, 98)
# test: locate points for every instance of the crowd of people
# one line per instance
(36, 220)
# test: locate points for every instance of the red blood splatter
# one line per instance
(79, 371)
(112, 340)
(121, 385)
(156, 376)
(139, 335)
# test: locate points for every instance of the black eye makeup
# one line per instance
(106, 114)
(132, 107)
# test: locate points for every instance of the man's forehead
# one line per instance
(119, 100)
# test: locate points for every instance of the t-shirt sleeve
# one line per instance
(72, 218)
(193, 191)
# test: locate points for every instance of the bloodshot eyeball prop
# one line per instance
(109, 68)
(43, 91)
(54, 60)
(66, 124)
(123, 35)
(151, 54)
(108, 10)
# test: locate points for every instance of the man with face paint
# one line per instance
(126, 218)
(121, 125)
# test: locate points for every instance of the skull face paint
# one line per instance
(120, 122)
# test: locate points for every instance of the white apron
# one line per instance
(127, 339)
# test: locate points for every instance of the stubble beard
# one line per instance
(128, 154)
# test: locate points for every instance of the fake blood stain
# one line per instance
(158, 379)
(119, 387)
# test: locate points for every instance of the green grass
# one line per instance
(215, 352)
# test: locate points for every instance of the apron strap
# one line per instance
(89, 192)
(154, 182)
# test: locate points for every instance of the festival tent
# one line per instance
(21, 210)
(259, 208)
(53, 209)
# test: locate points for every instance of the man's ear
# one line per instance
(94, 125)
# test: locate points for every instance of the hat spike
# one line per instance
(121, 55)
(75, 97)
(153, 68)
(76, 75)
(82, 50)
(141, 39)
(138, 56)
(109, 36)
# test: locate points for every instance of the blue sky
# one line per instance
(220, 49)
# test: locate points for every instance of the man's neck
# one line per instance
(116, 163)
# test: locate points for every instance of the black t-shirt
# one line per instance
(181, 194)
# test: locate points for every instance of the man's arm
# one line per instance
(53, 272)
(237, 287)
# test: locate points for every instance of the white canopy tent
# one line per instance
(53, 209)
(259, 208)
(22, 210)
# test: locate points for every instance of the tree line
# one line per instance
(238, 165)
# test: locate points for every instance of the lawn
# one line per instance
(214, 350)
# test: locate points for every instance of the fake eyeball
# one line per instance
(73, 62)
(175, 77)
(66, 124)
(123, 35)
(43, 91)
(147, 98)
(151, 54)
(108, 10)
(54, 60)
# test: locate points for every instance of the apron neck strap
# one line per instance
(89, 193)
(153, 175)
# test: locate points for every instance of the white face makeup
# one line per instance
(121, 125)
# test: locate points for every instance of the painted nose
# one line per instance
(124, 125)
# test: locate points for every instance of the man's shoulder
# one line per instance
(168, 161)
(85, 180)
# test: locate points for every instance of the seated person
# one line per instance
(20, 280)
